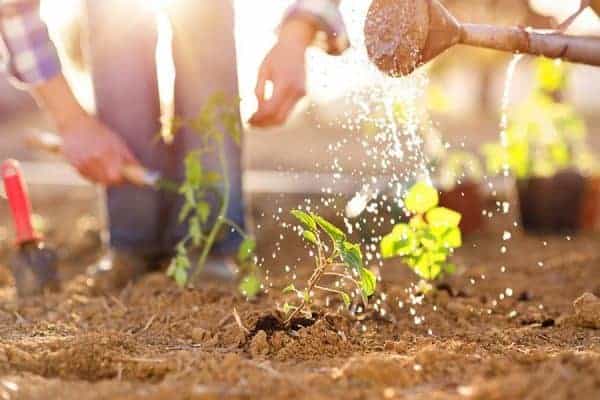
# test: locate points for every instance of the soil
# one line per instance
(483, 334)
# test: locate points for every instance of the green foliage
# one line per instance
(217, 120)
(336, 257)
(430, 237)
(543, 135)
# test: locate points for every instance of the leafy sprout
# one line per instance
(335, 257)
(430, 237)
(218, 119)
(543, 136)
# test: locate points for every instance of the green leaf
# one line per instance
(351, 255)
(250, 286)
(246, 250)
(400, 242)
(368, 282)
(287, 308)
(421, 198)
(181, 276)
(195, 231)
(289, 289)
(453, 238)
(441, 216)
(311, 237)
(193, 169)
(306, 296)
(426, 268)
(306, 219)
(185, 212)
(211, 178)
(203, 211)
(172, 268)
(334, 232)
(550, 74)
(345, 298)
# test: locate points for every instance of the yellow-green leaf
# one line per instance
(246, 249)
(421, 198)
(368, 282)
(443, 217)
(306, 219)
(250, 286)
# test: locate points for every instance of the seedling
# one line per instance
(543, 136)
(429, 239)
(217, 120)
(334, 257)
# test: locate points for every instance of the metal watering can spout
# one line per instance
(401, 35)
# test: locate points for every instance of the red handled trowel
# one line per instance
(34, 264)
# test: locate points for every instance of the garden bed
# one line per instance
(154, 340)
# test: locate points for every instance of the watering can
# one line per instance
(402, 35)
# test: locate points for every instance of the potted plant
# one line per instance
(544, 148)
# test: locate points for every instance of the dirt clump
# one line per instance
(587, 311)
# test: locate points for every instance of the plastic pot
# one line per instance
(467, 199)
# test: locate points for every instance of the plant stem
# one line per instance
(312, 281)
(220, 220)
(235, 226)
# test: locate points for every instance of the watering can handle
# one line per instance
(567, 23)
(18, 200)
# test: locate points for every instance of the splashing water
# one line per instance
(510, 74)
(392, 154)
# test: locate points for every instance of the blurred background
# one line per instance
(462, 91)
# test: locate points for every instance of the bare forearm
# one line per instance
(56, 98)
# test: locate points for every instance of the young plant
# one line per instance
(334, 257)
(428, 240)
(217, 120)
(543, 135)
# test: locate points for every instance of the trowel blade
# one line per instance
(34, 267)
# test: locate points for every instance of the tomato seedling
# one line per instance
(334, 257)
(430, 237)
(218, 119)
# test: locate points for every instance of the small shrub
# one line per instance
(428, 240)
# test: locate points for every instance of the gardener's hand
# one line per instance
(97, 152)
(285, 68)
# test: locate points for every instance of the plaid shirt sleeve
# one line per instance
(29, 54)
(332, 36)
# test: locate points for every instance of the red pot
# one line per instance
(467, 199)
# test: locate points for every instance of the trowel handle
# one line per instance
(135, 174)
(578, 49)
(18, 199)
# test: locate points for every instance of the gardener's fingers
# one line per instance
(275, 111)
(286, 108)
(264, 75)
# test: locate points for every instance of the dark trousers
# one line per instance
(122, 45)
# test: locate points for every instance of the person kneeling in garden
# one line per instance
(143, 223)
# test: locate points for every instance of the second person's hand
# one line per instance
(285, 68)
